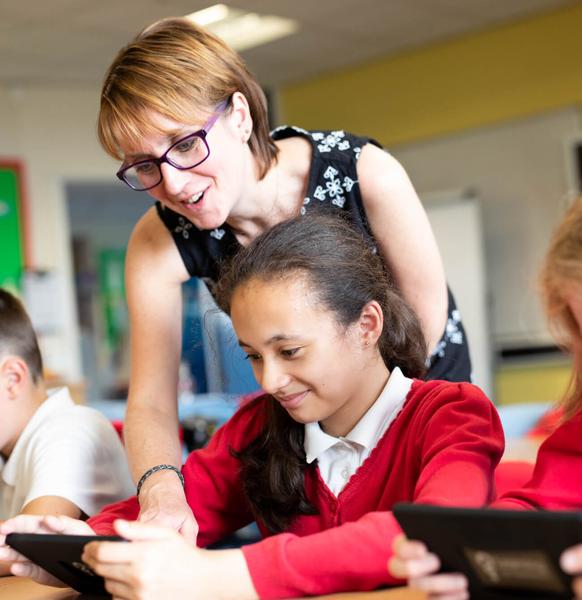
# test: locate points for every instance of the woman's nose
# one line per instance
(174, 180)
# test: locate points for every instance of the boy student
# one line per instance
(55, 457)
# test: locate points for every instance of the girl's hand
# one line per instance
(165, 507)
(20, 565)
(160, 563)
(413, 562)
(571, 562)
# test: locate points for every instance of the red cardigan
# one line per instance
(556, 482)
(442, 448)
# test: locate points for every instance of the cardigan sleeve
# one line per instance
(556, 482)
(213, 485)
(459, 443)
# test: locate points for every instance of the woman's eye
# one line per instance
(184, 146)
(188, 145)
(252, 356)
(145, 167)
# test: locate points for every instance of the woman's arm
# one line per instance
(405, 238)
(154, 274)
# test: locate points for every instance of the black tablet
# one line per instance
(504, 553)
(60, 555)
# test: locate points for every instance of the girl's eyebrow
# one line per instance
(276, 338)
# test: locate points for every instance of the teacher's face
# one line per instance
(208, 193)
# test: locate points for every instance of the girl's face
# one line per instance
(208, 193)
(316, 369)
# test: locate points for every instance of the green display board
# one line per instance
(11, 226)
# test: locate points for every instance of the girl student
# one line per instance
(556, 482)
(343, 431)
(189, 123)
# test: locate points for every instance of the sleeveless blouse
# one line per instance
(333, 185)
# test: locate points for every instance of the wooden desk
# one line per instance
(20, 588)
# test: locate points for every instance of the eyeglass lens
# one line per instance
(184, 154)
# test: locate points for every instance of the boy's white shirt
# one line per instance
(338, 458)
(69, 451)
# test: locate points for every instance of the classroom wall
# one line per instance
(52, 131)
(496, 75)
(507, 72)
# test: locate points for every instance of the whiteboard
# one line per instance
(456, 222)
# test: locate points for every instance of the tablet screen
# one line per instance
(504, 553)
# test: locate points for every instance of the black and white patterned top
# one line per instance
(332, 185)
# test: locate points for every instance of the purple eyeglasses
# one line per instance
(184, 154)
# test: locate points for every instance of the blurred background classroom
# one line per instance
(479, 99)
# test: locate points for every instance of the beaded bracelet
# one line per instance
(154, 470)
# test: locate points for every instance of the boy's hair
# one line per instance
(178, 70)
(561, 274)
(17, 336)
(344, 274)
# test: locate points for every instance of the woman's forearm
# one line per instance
(151, 438)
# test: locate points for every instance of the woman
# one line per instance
(343, 432)
(189, 122)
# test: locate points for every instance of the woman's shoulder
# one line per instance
(327, 142)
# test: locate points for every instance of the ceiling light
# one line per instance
(243, 30)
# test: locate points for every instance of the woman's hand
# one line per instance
(160, 563)
(20, 565)
(413, 562)
(571, 562)
(163, 503)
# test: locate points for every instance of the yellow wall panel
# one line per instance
(536, 382)
(511, 71)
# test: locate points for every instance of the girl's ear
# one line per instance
(13, 375)
(240, 114)
(371, 323)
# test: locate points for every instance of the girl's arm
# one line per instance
(161, 564)
(154, 274)
(405, 238)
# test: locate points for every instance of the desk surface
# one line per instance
(19, 588)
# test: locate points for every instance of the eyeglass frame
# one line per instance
(201, 133)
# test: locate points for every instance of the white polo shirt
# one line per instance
(339, 457)
(65, 450)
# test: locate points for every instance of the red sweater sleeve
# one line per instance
(212, 482)
(556, 482)
(460, 441)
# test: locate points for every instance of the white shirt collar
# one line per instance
(370, 428)
(57, 399)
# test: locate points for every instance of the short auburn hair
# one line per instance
(178, 70)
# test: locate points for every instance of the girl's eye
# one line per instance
(288, 352)
(252, 357)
